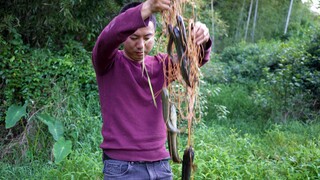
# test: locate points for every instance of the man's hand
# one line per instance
(200, 33)
(153, 6)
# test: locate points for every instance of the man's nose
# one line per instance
(140, 43)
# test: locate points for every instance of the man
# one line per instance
(134, 132)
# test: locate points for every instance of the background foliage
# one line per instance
(54, 23)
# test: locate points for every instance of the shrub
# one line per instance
(29, 74)
(285, 75)
(53, 23)
(32, 75)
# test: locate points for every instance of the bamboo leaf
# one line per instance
(151, 90)
(149, 82)
(14, 114)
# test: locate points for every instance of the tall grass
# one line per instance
(245, 145)
(281, 152)
(243, 111)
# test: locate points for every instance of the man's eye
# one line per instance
(148, 38)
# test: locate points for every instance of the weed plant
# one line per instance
(222, 152)
(241, 108)
(80, 115)
(237, 147)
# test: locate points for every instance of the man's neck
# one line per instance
(131, 59)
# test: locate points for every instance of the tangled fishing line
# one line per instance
(181, 92)
(185, 95)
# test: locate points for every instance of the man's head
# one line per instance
(141, 42)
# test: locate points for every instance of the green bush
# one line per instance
(281, 75)
(54, 23)
(29, 74)
(33, 75)
(237, 105)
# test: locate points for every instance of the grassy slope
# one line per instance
(240, 147)
(283, 152)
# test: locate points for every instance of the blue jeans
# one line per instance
(115, 169)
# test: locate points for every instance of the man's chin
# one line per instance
(137, 59)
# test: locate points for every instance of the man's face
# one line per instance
(140, 43)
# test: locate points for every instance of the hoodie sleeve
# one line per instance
(113, 35)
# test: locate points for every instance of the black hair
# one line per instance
(134, 4)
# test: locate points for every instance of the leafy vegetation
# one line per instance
(259, 101)
(282, 77)
(55, 23)
(278, 152)
(239, 25)
(241, 146)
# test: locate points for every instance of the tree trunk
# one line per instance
(288, 17)
(212, 21)
(255, 20)
(238, 29)
(248, 20)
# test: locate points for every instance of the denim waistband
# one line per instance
(106, 157)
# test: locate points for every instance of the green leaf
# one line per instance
(14, 114)
(46, 119)
(56, 130)
(61, 149)
(55, 127)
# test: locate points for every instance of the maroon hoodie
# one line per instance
(133, 128)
